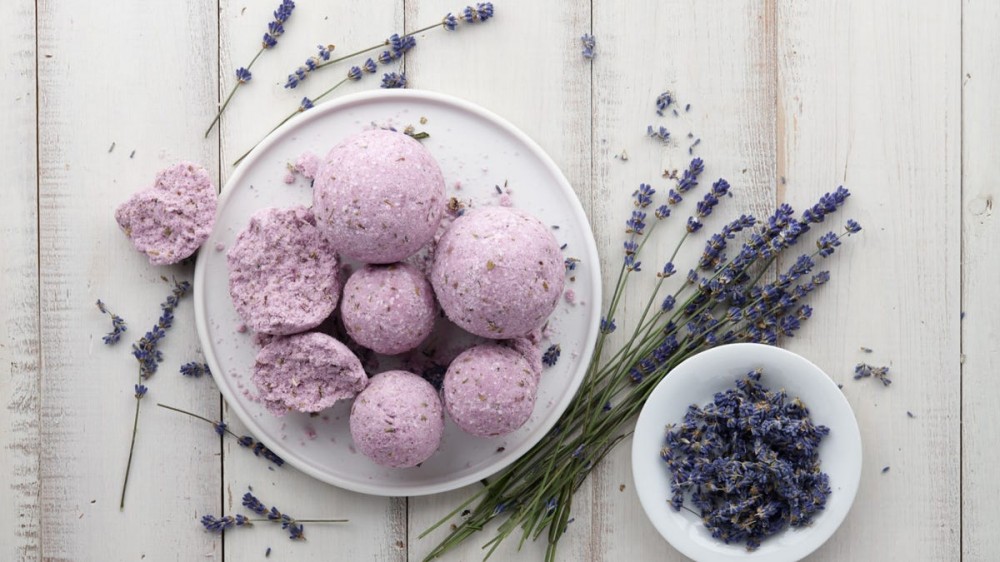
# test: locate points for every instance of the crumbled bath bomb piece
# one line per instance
(171, 220)
(490, 390)
(498, 272)
(397, 420)
(306, 373)
(282, 272)
(306, 164)
(388, 308)
(378, 196)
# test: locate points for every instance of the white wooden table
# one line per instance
(894, 99)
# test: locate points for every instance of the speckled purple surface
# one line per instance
(171, 220)
(388, 308)
(498, 272)
(307, 373)
(282, 272)
(379, 196)
(490, 390)
(398, 420)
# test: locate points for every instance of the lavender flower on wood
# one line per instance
(275, 29)
(118, 326)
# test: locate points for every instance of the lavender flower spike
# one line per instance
(394, 80)
(311, 64)
(589, 42)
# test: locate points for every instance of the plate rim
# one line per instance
(595, 299)
(854, 444)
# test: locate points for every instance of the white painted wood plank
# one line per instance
(377, 527)
(142, 77)
(980, 280)
(869, 97)
(525, 65)
(717, 56)
(19, 352)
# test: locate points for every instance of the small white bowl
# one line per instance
(695, 381)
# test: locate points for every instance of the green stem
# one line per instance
(131, 449)
(230, 96)
(372, 48)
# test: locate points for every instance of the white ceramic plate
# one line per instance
(477, 149)
(695, 381)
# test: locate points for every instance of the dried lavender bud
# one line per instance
(749, 462)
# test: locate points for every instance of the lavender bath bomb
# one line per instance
(397, 420)
(388, 308)
(490, 390)
(171, 220)
(306, 373)
(282, 272)
(498, 272)
(379, 196)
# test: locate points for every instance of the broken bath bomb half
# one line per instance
(379, 196)
(171, 220)
(397, 420)
(306, 373)
(490, 390)
(388, 308)
(282, 272)
(498, 272)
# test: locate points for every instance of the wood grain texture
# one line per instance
(723, 67)
(980, 280)
(377, 527)
(525, 65)
(19, 352)
(115, 77)
(869, 97)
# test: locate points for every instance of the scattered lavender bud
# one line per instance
(885, 469)
(551, 355)
(118, 326)
(866, 349)
(589, 42)
(195, 370)
(909, 414)
(394, 80)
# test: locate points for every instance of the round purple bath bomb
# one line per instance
(379, 196)
(397, 421)
(171, 220)
(307, 373)
(388, 308)
(498, 272)
(490, 390)
(282, 272)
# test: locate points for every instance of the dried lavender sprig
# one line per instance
(146, 352)
(311, 64)
(287, 522)
(275, 29)
(537, 497)
(195, 370)
(118, 326)
(481, 13)
(245, 441)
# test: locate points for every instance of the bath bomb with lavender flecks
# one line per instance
(282, 272)
(306, 373)
(490, 390)
(379, 196)
(498, 272)
(397, 420)
(388, 308)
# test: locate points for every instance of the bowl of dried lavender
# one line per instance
(746, 451)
